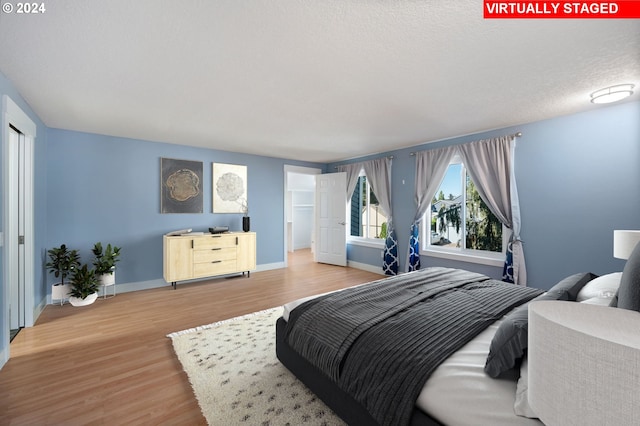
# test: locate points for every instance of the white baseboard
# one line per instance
(38, 310)
(127, 287)
(365, 267)
(141, 285)
(270, 266)
(3, 357)
(159, 283)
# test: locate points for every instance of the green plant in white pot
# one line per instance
(62, 263)
(84, 286)
(104, 262)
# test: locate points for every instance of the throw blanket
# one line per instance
(380, 342)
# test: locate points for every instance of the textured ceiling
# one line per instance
(309, 80)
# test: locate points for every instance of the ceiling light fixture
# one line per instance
(612, 94)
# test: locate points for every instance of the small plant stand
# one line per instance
(104, 291)
(107, 280)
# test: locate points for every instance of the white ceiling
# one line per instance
(302, 79)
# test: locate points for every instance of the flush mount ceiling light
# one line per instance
(612, 94)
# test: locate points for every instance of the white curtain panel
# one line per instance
(379, 174)
(353, 172)
(489, 162)
(490, 165)
(431, 167)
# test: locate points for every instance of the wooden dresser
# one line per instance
(187, 257)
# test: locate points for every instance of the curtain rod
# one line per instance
(390, 157)
(517, 135)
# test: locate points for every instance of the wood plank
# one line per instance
(111, 362)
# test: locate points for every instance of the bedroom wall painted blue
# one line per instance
(578, 179)
(107, 189)
(40, 203)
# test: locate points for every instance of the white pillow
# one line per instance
(604, 286)
(602, 301)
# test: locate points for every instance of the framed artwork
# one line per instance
(229, 188)
(180, 186)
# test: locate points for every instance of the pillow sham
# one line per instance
(629, 291)
(602, 301)
(569, 288)
(510, 342)
(602, 286)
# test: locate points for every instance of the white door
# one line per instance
(331, 215)
(15, 151)
(18, 298)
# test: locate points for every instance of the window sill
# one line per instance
(366, 242)
(498, 260)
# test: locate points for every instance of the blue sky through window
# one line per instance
(451, 183)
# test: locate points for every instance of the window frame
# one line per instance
(462, 254)
(358, 240)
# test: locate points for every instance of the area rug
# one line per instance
(237, 379)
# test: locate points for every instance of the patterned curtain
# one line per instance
(507, 270)
(414, 248)
(390, 264)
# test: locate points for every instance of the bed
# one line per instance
(362, 350)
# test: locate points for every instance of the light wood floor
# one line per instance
(111, 362)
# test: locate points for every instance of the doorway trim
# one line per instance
(299, 170)
(15, 116)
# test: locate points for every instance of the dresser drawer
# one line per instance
(218, 268)
(214, 241)
(214, 254)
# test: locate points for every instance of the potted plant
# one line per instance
(84, 286)
(104, 262)
(62, 262)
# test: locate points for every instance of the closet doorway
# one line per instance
(299, 204)
(17, 240)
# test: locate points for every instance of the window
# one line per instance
(367, 218)
(460, 222)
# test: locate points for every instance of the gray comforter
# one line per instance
(380, 342)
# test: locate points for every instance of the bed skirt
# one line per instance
(350, 410)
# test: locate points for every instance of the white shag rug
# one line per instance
(238, 380)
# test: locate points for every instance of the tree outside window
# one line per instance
(483, 229)
(480, 230)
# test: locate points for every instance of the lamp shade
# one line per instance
(624, 242)
(584, 364)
